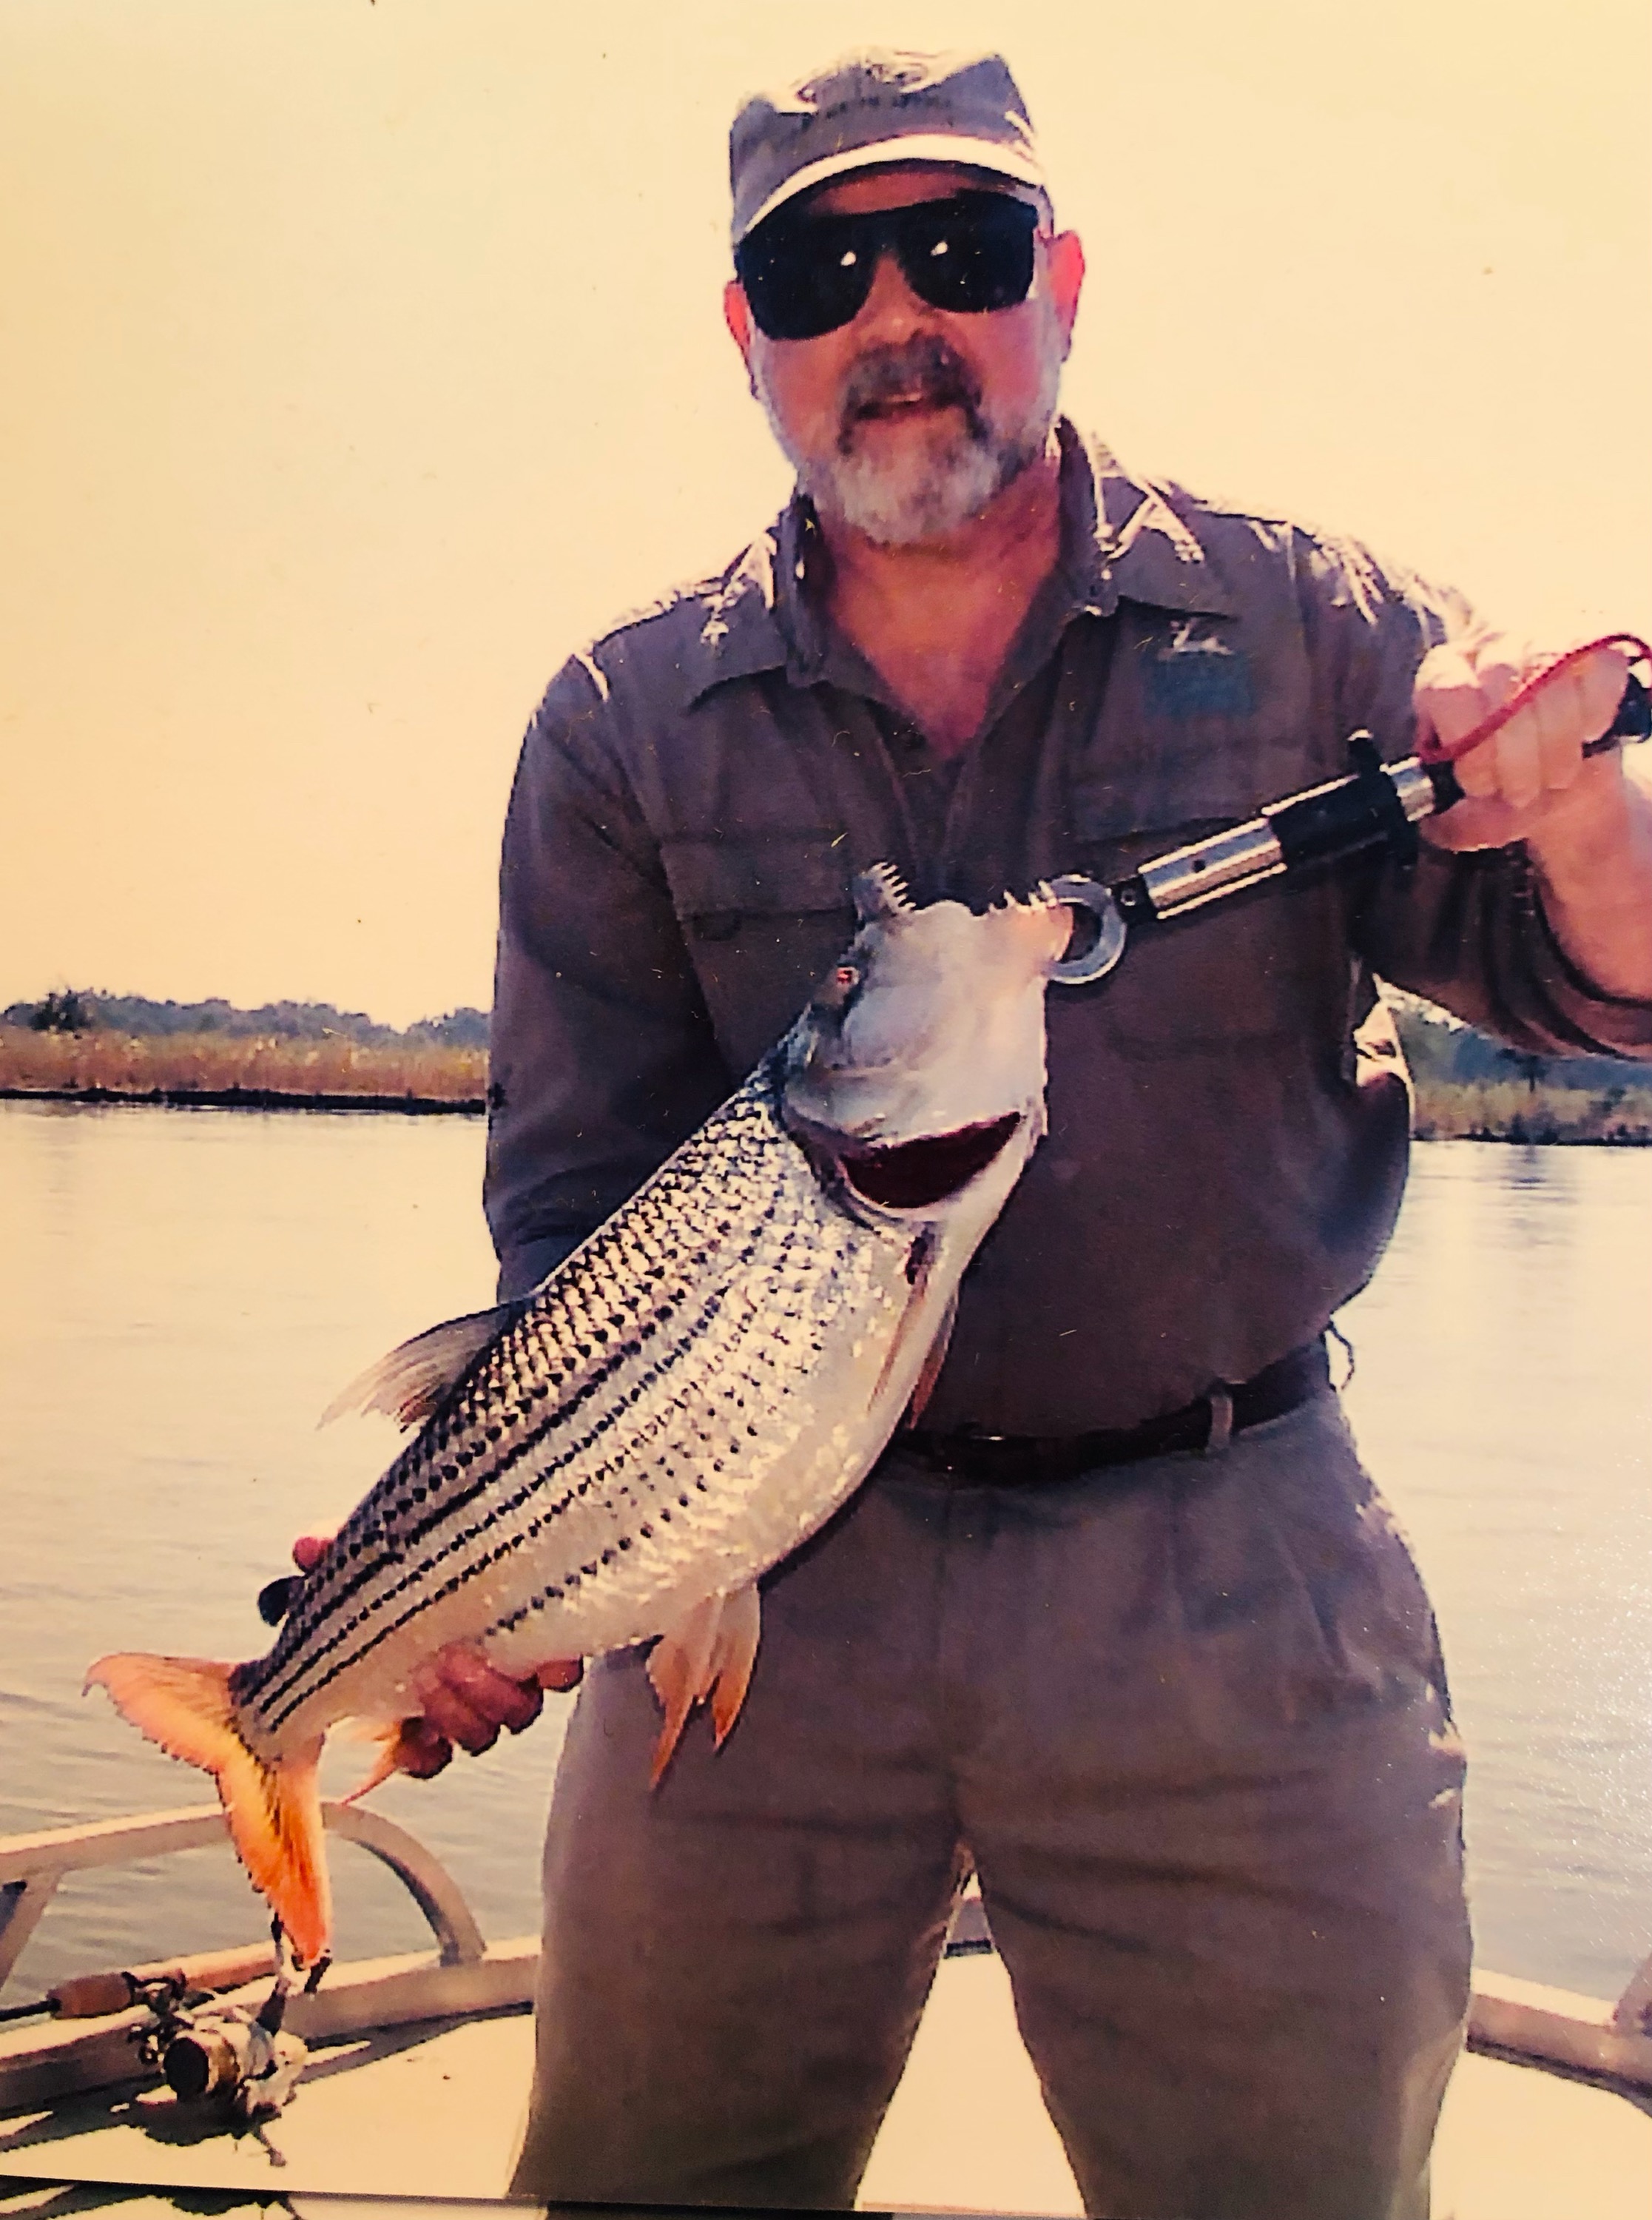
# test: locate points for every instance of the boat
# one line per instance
(414, 2074)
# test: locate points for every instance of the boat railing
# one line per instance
(1526, 2021)
(465, 1975)
(32, 1866)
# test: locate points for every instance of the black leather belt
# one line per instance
(1007, 1459)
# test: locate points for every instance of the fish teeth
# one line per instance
(1042, 898)
(891, 888)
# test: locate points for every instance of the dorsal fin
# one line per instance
(408, 1383)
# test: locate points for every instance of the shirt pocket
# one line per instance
(1177, 786)
(764, 915)
(1246, 972)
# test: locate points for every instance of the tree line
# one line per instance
(1438, 1049)
(81, 1010)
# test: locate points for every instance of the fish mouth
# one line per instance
(918, 1175)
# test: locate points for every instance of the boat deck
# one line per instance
(430, 2111)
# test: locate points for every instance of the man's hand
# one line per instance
(1586, 824)
(1530, 777)
(465, 1701)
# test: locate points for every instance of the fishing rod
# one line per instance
(1377, 805)
(90, 1996)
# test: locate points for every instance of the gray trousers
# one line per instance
(1187, 1720)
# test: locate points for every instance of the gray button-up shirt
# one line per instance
(1228, 1117)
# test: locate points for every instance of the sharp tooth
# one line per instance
(887, 891)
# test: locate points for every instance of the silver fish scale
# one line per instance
(649, 1430)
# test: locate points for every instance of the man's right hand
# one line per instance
(465, 1701)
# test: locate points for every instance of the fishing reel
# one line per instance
(238, 2062)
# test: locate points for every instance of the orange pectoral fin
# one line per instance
(933, 1362)
(677, 1668)
(734, 1654)
(274, 1810)
(708, 1653)
(919, 1266)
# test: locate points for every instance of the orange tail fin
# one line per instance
(275, 1810)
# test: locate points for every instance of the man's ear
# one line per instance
(736, 314)
(1066, 264)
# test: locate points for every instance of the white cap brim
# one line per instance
(942, 147)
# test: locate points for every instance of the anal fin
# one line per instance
(390, 1743)
(707, 1654)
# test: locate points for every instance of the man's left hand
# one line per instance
(465, 1701)
(1586, 823)
(1528, 780)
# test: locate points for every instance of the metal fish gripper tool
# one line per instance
(1377, 805)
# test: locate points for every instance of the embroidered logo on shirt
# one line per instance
(1192, 671)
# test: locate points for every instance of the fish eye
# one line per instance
(835, 996)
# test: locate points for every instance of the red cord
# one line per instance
(1429, 749)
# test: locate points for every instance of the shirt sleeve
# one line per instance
(601, 1057)
(1467, 932)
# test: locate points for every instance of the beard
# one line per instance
(945, 468)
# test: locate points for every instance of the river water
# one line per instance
(184, 1291)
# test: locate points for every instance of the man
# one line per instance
(1123, 1625)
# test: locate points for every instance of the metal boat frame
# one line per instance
(1552, 2028)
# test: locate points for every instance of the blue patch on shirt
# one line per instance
(1200, 681)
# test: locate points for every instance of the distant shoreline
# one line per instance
(1465, 1087)
(1438, 1117)
(221, 1071)
(248, 1098)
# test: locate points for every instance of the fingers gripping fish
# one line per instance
(690, 1395)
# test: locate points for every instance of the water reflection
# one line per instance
(185, 1292)
(1502, 1400)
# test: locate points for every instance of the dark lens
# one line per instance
(969, 254)
(803, 277)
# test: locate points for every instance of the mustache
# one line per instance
(924, 368)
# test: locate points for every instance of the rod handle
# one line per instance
(89, 1996)
(1632, 723)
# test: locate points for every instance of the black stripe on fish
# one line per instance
(417, 1459)
(290, 1664)
(417, 1576)
(279, 1695)
(412, 1468)
(303, 1655)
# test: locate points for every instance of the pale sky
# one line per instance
(359, 361)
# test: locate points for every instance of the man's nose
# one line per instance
(892, 310)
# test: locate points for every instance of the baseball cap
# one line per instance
(873, 107)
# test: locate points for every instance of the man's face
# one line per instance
(907, 422)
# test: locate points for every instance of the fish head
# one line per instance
(920, 1059)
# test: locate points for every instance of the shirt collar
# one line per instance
(1121, 541)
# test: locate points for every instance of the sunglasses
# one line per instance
(805, 275)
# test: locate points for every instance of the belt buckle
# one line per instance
(1221, 1399)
